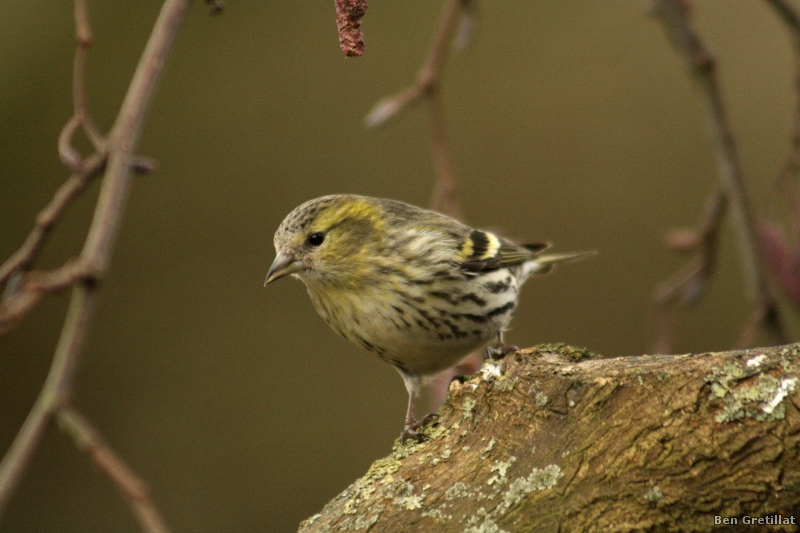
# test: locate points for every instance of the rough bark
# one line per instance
(555, 439)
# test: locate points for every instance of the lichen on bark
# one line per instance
(554, 439)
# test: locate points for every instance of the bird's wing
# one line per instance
(483, 250)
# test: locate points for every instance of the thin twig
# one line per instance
(765, 316)
(31, 286)
(688, 284)
(444, 198)
(133, 488)
(429, 75)
(782, 257)
(428, 86)
(83, 170)
(124, 136)
(788, 12)
(675, 17)
(56, 391)
(69, 156)
(791, 17)
(95, 256)
(47, 217)
(83, 39)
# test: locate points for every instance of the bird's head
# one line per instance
(328, 240)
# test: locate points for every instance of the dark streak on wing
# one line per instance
(509, 254)
(480, 244)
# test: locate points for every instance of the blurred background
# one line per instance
(573, 122)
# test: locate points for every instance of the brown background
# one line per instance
(573, 122)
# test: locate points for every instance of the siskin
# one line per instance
(425, 293)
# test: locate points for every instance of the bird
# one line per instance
(424, 292)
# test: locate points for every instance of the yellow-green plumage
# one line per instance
(417, 288)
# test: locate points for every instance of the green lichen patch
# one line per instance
(437, 514)
(653, 494)
(406, 499)
(539, 479)
(540, 399)
(760, 398)
(501, 467)
(488, 448)
(502, 384)
(468, 406)
(482, 522)
(438, 432)
(459, 489)
(569, 353)
(382, 468)
(401, 450)
(379, 473)
(727, 376)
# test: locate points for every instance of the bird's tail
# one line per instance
(543, 264)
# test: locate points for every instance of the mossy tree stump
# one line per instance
(555, 439)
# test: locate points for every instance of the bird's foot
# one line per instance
(500, 351)
(411, 431)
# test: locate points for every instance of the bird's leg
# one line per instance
(500, 349)
(412, 425)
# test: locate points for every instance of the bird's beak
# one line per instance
(283, 265)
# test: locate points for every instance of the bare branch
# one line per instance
(47, 217)
(124, 136)
(688, 284)
(444, 198)
(781, 256)
(427, 86)
(133, 488)
(56, 391)
(555, 439)
(83, 39)
(66, 152)
(30, 287)
(95, 256)
(789, 14)
(675, 17)
(83, 170)
(429, 76)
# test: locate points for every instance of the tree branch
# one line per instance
(94, 259)
(782, 257)
(675, 18)
(688, 284)
(47, 217)
(558, 440)
(427, 86)
(132, 487)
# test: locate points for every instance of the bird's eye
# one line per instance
(315, 239)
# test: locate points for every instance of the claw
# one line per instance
(411, 431)
(500, 351)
